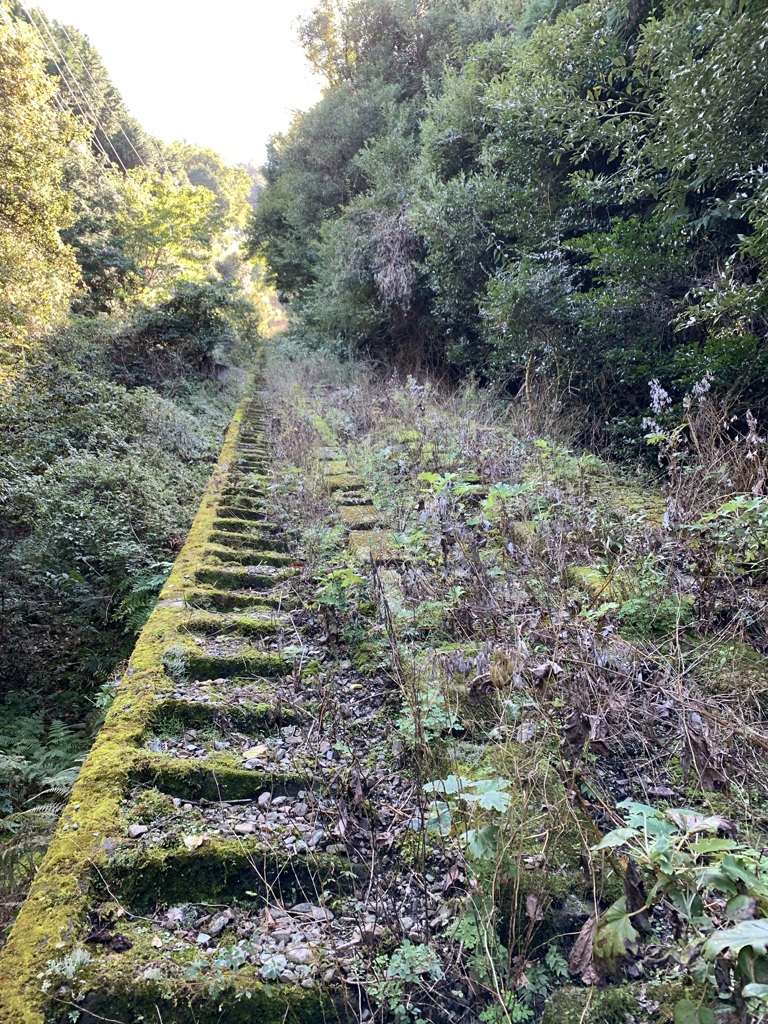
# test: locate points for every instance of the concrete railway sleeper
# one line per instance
(229, 853)
(202, 793)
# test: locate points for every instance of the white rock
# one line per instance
(218, 924)
(299, 955)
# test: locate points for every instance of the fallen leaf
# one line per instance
(700, 751)
(525, 732)
(534, 861)
(576, 730)
(547, 669)
(716, 823)
(157, 942)
(452, 875)
(258, 751)
(173, 917)
(533, 908)
(581, 963)
(193, 842)
(598, 732)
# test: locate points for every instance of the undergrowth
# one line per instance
(580, 653)
(106, 441)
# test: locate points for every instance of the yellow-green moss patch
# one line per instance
(359, 517)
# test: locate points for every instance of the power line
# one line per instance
(98, 90)
(83, 93)
(65, 80)
(79, 106)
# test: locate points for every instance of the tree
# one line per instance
(37, 271)
(88, 92)
(204, 167)
(166, 229)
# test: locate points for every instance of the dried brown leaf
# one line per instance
(581, 963)
(547, 669)
(533, 908)
(701, 753)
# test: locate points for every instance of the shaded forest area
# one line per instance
(566, 198)
(123, 295)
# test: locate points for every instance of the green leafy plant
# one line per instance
(340, 588)
(140, 597)
(399, 978)
(461, 806)
(427, 717)
(716, 887)
(738, 530)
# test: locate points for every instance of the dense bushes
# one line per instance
(568, 192)
(99, 484)
(110, 419)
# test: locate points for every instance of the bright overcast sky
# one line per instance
(226, 74)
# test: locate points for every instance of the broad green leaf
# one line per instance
(755, 991)
(494, 801)
(649, 819)
(439, 819)
(703, 846)
(481, 842)
(715, 878)
(615, 933)
(618, 837)
(687, 1012)
(447, 786)
(491, 794)
(746, 933)
(490, 785)
(739, 873)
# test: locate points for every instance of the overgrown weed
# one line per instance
(561, 654)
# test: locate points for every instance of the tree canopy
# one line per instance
(37, 271)
(561, 191)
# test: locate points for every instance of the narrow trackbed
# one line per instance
(228, 847)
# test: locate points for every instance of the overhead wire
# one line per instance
(100, 93)
(78, 104)
(115, 155)
(59, 100)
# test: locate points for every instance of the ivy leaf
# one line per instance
(615, 933)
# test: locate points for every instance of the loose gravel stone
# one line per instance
(300, 955)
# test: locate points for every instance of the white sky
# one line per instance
(225, 74)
